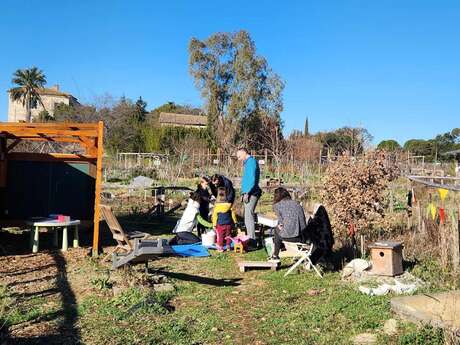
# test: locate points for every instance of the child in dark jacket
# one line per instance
(205, 197)
(223, 219)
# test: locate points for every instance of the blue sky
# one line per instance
(390, 66)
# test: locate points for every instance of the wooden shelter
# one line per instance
(32, 184)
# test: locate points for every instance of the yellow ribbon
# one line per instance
(432, 210)
(442, 193)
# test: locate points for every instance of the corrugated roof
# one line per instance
(183, 119)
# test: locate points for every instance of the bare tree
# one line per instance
(271, 138)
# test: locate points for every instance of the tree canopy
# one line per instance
(27, 84)
(389, 145)
(238, 87)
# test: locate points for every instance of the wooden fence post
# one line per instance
(456, 242)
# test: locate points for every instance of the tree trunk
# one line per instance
(28, 110)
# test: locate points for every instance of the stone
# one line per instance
(116, 290)
(166, 287)
(438, 309)
(365, 339)
(355, 266)
(390, 327)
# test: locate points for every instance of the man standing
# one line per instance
(250, 189)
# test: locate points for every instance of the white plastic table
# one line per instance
(267, 221)
(54, 224)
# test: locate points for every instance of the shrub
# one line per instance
(354, 191)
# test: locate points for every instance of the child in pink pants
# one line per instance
(223, 219)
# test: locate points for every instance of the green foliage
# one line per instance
(345, 139)
(426, 335)
(389, 145)
(102, 283)
(432, 149)
(43, 116)
(238, 87)
(28, 83)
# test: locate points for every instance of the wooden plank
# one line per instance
(97, 201)
(3, 163)
(45, 138)
(90, 145)
(13, 145)
(50, 157)
(456, 242)
(243, 265)
(58, 125)
(49, 132)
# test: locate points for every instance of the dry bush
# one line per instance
(305, 149)
(354, 190)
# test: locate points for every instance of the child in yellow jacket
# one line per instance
(223, 219)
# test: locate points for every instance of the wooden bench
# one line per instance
(258, 264)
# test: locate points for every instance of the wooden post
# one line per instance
(456, 242)
(97, 199)
(362, 240)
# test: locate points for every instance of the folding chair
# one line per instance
(125, 240)
(302, 253)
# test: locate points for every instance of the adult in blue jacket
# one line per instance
(250, 189)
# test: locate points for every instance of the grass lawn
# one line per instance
(72, 298)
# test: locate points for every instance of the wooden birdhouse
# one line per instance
(386, 258)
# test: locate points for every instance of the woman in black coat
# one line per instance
(205, 198)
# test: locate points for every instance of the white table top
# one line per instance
(270, 222)
(54, 223)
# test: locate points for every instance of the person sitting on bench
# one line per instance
(291, 220)
(189, 220)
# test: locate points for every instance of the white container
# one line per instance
(208, 239)
(269, 245)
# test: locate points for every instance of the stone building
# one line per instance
(183, 120)
(50, 98)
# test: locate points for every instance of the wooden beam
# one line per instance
(56, 125)
(13, 145)
(42, 138)
(97, 201)
(50, 157)
(3, 163)
(90, 145)
(49, 132)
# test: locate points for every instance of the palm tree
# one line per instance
(28, 82)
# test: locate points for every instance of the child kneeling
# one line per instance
(223, 219)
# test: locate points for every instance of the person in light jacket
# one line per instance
(190, 218)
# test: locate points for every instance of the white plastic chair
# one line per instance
(302, 252)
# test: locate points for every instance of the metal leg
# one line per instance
(75, 237)
(35, 242)
(56, 237)
(314, 267)
(64, 239)
(31, 238)
(293, 267)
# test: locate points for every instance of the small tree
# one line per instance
(272, 140)
(354, 191)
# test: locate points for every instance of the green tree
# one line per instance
(238, 86)
(419, 147)
(44, 116)
(28, 83)
(345, 139)
(306, 129)
(141, 112)
(389, 145)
